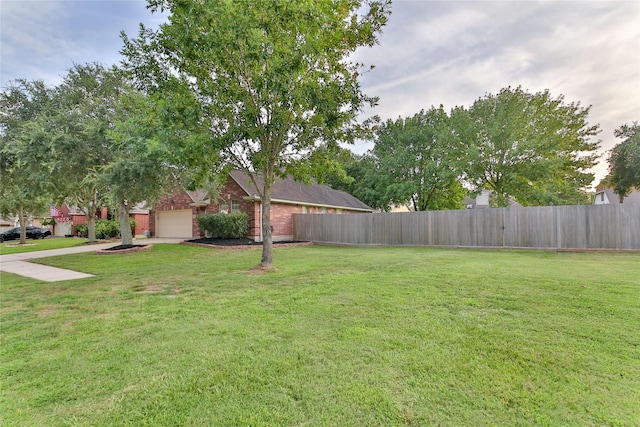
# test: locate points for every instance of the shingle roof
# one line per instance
(291, 191)
(614, 199)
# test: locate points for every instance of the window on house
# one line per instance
(305, 210)
(602, 197)
(235, 206)
(224, 207)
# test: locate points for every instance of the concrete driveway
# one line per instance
(19, 263)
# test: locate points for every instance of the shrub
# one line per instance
(225, 226)
(105, 228)
(81, 230)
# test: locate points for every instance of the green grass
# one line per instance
(334, 337)
(14, 246)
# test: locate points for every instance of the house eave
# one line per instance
(200, 204)
(315, 205)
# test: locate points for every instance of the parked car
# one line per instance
(32, 233)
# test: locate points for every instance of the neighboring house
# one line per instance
(399, 209)
(7, 223)
(176, 214)
(68, 217)
(483, 201)
(10, 222)
(606, 196)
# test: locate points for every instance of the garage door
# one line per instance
(174, 224)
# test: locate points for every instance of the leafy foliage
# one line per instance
(105, 228)
(414, 161)
(27, 182)
(527, 146)
(624, 160)
(270, 80)
(79, 146)
(225, 226)
(357, 175)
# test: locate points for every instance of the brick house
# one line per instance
(176, 214)
(68, 217)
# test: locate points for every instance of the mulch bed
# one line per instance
(243, 243)
(123, 249)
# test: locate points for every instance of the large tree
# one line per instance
(79, 146)
(624, 160)
(144, 167)
(531, 147)
(415, 162)
(104, 145)
(273, 77)
(27, 187)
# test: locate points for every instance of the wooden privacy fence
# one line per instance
(547, 227)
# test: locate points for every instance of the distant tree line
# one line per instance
(531, 148)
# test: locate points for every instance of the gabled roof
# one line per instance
(199, 196)
(288, 190)
(614, 199)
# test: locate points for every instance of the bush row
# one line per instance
(224, 226)
(105, 228)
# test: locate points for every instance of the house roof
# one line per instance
(614, 199)
(287, 190)
(199, 196)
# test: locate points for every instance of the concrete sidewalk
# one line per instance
(18, 263)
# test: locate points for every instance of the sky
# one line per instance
(446, 53)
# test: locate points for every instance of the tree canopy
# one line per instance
(358, 176)
(27, 184)
(92, 140)
(78, 145)
(532, 147)
(624, 160)
(415, 163)
(271, 79)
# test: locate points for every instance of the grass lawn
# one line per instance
(336, 336)
(14, 246)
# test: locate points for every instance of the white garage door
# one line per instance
(174, 223)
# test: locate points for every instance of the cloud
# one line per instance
(452, 53)
(29, 45)
(43, 39)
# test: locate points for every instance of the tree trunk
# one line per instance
(125, 228)
(267, 242)
(91, 217)
(23, 225)
(91, 224)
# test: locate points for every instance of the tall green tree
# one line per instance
(273, 78)
(415, 162)
(532, 147)
(624, 160)
(80, 144)
(144, 167)
(106, 144)
(27, 187)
